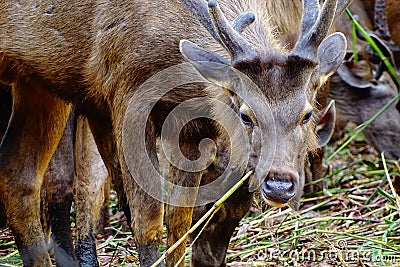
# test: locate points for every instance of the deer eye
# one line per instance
(246, 119)
(307, 117)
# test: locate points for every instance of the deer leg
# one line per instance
(148, 217)
(178, 221)
(56, 191)
(57, 195)
(35, 128)
(179, 218)
(59, 217)
(211, 246)
(318, 169)
(3, 219)
(102, 131)
(5, 113)
(89, 192)
(101, 128)
(104, 217)
(147, 212)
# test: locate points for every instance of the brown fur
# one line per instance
(56, 199)
(57, 190)
(90, 192)
(34, 111)
(356, 104)
(98, 64)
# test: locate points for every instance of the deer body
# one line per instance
(99, 64)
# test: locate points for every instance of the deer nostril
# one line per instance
(279, 188)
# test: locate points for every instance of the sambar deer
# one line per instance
(98, 55)
(362, 87)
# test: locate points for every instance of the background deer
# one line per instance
(110, 51)
(361, 88)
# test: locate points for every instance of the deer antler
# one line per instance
(239, 49)
(381, 27)
(212, 18)
(382, 39)
(242, 21)
(315, 26)
(199, 9)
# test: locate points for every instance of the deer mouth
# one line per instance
(279, 190)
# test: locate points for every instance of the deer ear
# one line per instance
(331, 53)
(326, 124)
(348, 75)
(211, 66)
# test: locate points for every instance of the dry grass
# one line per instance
(354, 221)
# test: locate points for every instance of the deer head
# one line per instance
(359, 96)
(272, 91)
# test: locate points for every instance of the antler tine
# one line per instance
(316, 25)
(236, 45)
(310, 13)
(242, 21)
(341, 6)
(310, 38)
(381, 27)
(199, 9)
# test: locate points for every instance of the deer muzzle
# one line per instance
(279, 188)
